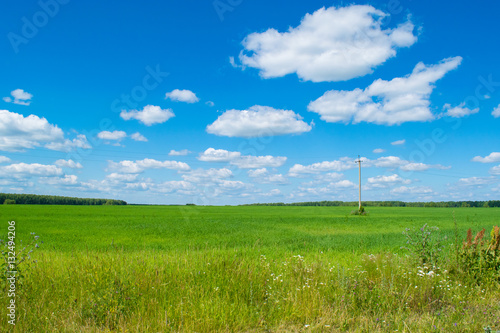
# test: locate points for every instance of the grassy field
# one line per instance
(248, 269)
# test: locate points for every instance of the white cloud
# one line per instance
(398, 142)
(67, 145)
(378, 150)
(258, 121)
(458, 111)
(476, 181)
(4, 159)
(218, 155)
(20, 96)
(211, 176)
(333, 44)
(422, 167)
(264, 177)
(182, 152)
(242, 162)
(252, 162)
(496, 112)
(273, 193)
(400, 100)
(210, 103)
(68, 164)
(119, 177)
(138, 137)
(385, 181)
(140, 166)
(34, 169)
(186, 96)
(178, 186)
(66, 180)
(150, 114)
(412, 190)
(115, 135)
(491, 158)
(345, 163)
(495, 170)
(18, 132)
(390, 162)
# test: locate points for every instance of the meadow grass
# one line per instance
(243, 269)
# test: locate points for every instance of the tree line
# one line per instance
(35, 199)
(490, 203)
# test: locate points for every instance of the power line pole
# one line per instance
(359, 162)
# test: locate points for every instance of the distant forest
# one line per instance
(491, 203)
(34, 199)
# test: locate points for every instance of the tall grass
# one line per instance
(150, 270)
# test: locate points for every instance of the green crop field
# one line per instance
(247, 269)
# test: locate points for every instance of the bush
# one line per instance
(479, 259)
(9, 202)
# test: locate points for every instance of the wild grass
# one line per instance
(247, 269)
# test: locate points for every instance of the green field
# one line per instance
(231, 269)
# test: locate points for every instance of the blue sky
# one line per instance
(235, 101)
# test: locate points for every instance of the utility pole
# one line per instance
(359, 162)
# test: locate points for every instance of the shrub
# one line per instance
(9, 202)
(480, 259)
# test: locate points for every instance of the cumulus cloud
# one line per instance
(115, 135)
(491, 158)
(398, 142)
(345, 163)
(385, 181)
(412, 190)
(332, 44)
(67, 145)
(120, 177)
(242, 162)
(66, 180)
(251, 162)
(20, 97)
(149, 115)
(458, 111)
(141, 165)
(138, 137)
(400, 100)
(18, 133)
(263, 176)
(68, 164)
(258, 121)
(211, 176)
(186, 96)
(182, 152)
(495, 170)
(218, 155)
(34, 169)
(476, 181)
(496, 112)
(378, 150)
(4, 159)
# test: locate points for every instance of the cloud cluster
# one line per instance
(241, 161)
(20, 97)
(149, 115)
(18, 133)
(258, 121)
(332, 44)
(147, 163)
(459, 111)
(400, 100)
(186, 96)
(491, 158)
